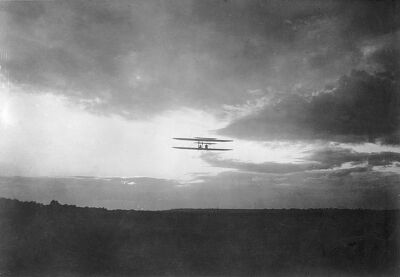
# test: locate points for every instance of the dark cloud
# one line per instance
(330, 177)
(135, 57)
(332, 157)
(325, 159)
(358, 187)
(364, 18)
(387, 58)
(362, 107)
(266, 167)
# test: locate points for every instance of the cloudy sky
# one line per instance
(91, 93)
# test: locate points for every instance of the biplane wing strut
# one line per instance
(203, 144)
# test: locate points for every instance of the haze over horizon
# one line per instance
(92, 93)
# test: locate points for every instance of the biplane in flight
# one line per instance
(203, 144)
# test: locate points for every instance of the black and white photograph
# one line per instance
(199, 138)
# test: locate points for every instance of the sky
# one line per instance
(92, 93)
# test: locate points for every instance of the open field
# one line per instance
(63, 240)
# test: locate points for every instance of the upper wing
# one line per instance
(205, 139)
(186, 139)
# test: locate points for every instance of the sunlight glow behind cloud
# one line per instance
(46, 135)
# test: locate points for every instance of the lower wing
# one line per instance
(205, 149)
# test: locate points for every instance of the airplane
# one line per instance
(203, 143)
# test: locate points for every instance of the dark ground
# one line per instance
(62, 240)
